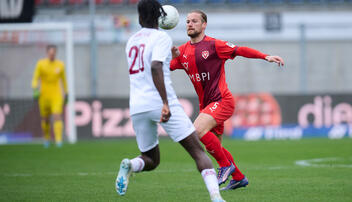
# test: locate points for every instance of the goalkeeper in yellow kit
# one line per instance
(51, 94)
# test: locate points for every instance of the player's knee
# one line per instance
(57, 117)
(46, 119)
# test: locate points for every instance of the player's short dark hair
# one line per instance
(50, 46)
(202, 14)
(149, 12)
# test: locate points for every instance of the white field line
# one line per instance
(319, 162)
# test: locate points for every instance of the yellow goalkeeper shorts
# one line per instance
(50, 105)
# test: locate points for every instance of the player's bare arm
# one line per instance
(158, 79)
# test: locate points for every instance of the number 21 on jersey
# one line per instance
(136, 54)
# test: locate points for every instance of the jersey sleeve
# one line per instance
(175, 64)
(162, 48)
(36, 76)
(63, 78)
(225, 50)
(250, 53)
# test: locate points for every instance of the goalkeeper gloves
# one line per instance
(36, 94)
(66, 99)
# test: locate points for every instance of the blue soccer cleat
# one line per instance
(58, 144)
(123, 177)
(236, 184)
(46, 144)
(224, 173)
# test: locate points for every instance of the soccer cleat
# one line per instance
(46, 144)
(58, 144)
(123, 177)
(217, 198)
(224, 173)
(236, 184)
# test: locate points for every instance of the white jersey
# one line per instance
(142, 48)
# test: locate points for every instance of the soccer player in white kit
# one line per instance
(153, 100)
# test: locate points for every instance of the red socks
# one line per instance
(213, 146)
(237, 175)
(222, 156)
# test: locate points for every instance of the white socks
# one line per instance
(137, 164)
(209, 177)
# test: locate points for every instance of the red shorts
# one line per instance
(220, 111)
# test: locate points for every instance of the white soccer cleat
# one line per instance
(123, 177)
(217, 198)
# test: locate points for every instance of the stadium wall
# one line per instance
(328, 70)
(327, 49)
(257, 116)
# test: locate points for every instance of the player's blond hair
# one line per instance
(202, 14)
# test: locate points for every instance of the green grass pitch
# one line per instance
(87, 171)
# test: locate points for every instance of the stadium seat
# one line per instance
(316, 2)
(98, 2)
(195, 1)
(296, 2)
(276, 2)
(39, 2)
(255, 2)
(115, 2)
(237, 1)
(76, 2)
(56, 2)
(172, 1)
(133, 1)
(335, 1)
(162, 1)
(216, 1)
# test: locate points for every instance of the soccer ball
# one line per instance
(171, 19)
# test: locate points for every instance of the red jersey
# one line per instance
(204, 63)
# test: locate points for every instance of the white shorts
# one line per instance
(178, 127)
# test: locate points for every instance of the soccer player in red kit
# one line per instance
(203, 59)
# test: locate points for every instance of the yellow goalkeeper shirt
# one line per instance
(50, 73)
